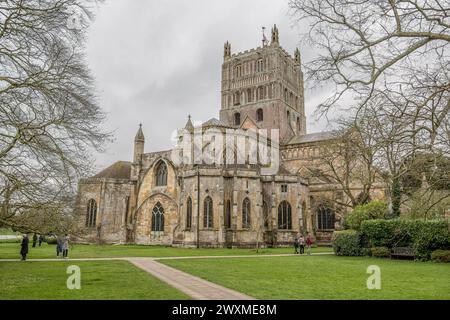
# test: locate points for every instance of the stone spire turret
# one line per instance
(139, 143)
(189, 126)
(297, 57)
(275, 36)
(227, 50)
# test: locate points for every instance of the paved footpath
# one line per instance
(194, 287)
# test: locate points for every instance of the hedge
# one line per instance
(424, 236)
(380, 252)
(441, 256)
(347, 243)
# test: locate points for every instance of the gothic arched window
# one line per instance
(284, 216)
(261, 93)
(228, 214)
(249, 95)
(325, 218)
(237, 119)
(237, 98)
(158, 218)
(259, 115)
(91, 214)
(189, 213)
(208, 213)
(266, 214)
(161, 174)
(260, 66)
(246, 214)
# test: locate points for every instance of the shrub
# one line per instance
(385, 233)
(424, 236)
(366, 252)
(51, 240)
(347, 243)
(380, 252)
(441, 256)
(371, 211)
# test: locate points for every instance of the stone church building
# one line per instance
(153, 200)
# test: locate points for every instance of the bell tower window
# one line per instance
(260, 115)
(237, 119)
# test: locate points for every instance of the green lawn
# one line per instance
(11, 251)
(99, 280)
(322, 277)
(7, 232)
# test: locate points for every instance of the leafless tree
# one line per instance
(392, 58)
(49, 117)
(348, 162)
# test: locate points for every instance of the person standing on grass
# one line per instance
(58, 245)
(24, 247)
(309, 243)
(296, 246)
(41, 238)
(301, 243)
(65, 246)
(35, 237)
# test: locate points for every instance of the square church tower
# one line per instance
(265, 86)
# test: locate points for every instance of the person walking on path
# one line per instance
(58, 246)
(301, 243)
(65, 246)
(35, 237)
(296, 246)
(24, 247)
(309, 243)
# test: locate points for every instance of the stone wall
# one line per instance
(112, 199)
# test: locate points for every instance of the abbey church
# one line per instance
(154, 200)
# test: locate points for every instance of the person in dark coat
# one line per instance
(41, 238)
(296, 245)
(58, 245)
(35, 237)
(24, 247)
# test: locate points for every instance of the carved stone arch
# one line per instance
(148, 183)
(150, 197)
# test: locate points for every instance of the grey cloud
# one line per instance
(156, 61)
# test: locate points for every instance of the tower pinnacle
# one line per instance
(189, 126)
(275, 35)
(139, 134)
(227, 50)
(297, 57)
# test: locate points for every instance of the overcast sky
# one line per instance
(155, 62)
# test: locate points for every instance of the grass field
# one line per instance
(99, 280)
(7, 232)
(322, 277)
(11, 251)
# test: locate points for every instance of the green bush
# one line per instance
(51, 240)
(380, 252)
(371, 211)
(424, 236)
(347, 243)
(441, 256)
(367, 252)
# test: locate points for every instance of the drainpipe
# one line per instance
(198, 208)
